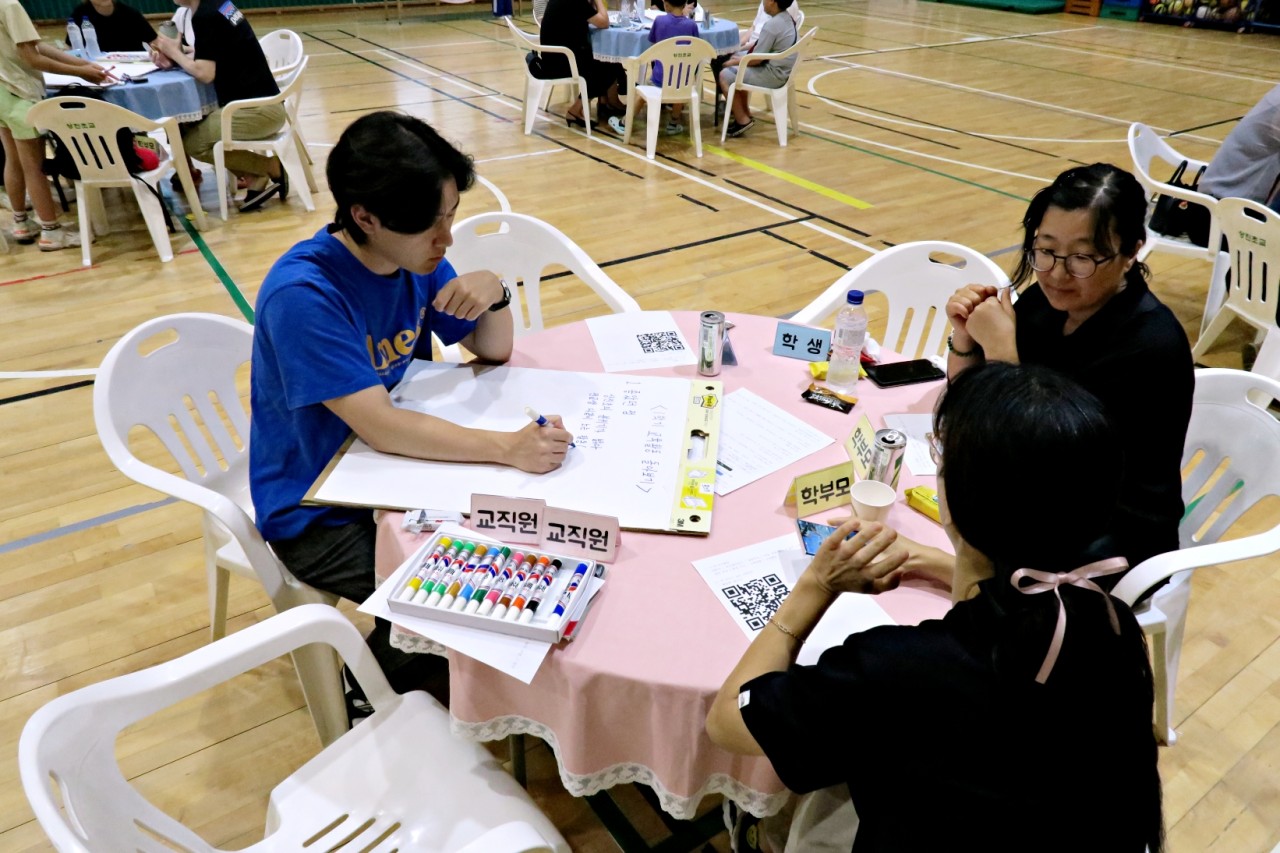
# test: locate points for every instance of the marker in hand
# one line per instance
(540, 420)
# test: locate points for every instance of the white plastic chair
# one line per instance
(682, 59)
(782, 100)
(87, 129)
(399, 780)
(1253, 242)
(534, 86)
(914, 282)
(1229, 424)
(539, 9)
(286, 144)
(283, 50)
(1146, 147)
(184, 391)
(520, 248)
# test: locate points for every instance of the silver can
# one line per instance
(886, 456)
(711, 343)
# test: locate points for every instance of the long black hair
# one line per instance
(1119, 207)
(395, 166)
(1029, 437)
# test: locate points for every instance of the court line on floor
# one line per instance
(47, 374)
(218, 270)
(44, 392)
(803, 183)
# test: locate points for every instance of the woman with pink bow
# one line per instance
(1019, 721)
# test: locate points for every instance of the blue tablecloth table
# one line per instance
(622, 42)
(161, 94)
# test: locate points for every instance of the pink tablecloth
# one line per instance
(626, 700)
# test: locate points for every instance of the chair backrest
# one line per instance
(796, 50)
(682, 58)
(539, 9)
(1154, 161)
(519, 249)
(283, 49)
(917, 285)
(68, 746)
(1253, 241)
(87, 129)
(528, 41)
(176, 377)
(1231, 460)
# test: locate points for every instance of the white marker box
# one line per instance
(542, 626)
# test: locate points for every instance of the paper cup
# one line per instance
(871, 499)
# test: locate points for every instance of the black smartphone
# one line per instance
(903, 372)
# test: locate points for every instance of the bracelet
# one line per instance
(951, 348)
(784, 629)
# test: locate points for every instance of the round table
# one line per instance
(621, 42)
(626, 701)
(159, 95)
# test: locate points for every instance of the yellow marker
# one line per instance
(804, 183)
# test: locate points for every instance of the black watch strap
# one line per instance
(505, 300)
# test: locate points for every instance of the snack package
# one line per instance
(924, 500)
(822, 396)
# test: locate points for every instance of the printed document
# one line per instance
(758, 438)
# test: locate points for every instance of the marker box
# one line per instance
(544, 625)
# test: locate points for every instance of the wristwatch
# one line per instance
(505, 300)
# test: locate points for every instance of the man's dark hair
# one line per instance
(783, 5)
(395, 166)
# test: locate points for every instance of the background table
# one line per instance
(620, 43)
(626, 701)
(160, 94)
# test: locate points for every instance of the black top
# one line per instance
(125, 29)
(564, 24)
(1134, 356)
(942, 753)
(225, 37)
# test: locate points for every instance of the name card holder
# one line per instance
(512, 520)
(859, 446)
(802, 342)
(820, 490)
(581, 534)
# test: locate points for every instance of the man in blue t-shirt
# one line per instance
(339, 318)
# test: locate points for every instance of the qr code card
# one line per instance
(638, 340)
(757, 600)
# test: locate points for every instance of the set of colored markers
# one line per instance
(490, 585)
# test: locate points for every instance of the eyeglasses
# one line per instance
(1077, 265)
(935, 447)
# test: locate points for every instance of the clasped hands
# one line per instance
(863, 557)
(982, 315)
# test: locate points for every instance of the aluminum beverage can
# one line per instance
(711, 343)
(886, 456)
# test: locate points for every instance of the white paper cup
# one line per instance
(871, 499)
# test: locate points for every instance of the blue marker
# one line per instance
(565, 597)
(540, 420)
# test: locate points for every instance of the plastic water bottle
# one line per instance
(846, 343)
(75, 41)
(90, 39)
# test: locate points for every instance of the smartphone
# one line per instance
(903, 372)
(812, 535)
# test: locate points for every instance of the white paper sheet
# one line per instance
(849, 614)
(516, 656)
(917, 427)
(751, 582)
(758, 438)
(620, 340)
(119, 69)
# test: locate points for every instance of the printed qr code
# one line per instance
(757, 600)
(651, 342)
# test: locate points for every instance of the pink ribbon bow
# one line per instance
(1080, 577)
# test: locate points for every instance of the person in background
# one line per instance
(970, 732)
(566, 23)
(670, 25)
(747, 39)
(339, 318)
(22, 59)
(777, 34)
(228, 55)
(119, 27)
(1247, 164)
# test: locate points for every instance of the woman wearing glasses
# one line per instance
(1090, 314)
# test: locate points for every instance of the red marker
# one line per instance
(504, 577)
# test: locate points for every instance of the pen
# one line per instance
(539, 419)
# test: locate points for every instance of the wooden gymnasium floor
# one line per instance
(918, 120)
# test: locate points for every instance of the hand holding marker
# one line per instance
(539, 419)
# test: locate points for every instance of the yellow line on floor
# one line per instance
(790, 178)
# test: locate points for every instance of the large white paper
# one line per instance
(751, 582)
(628, 431)
(622, 340)
(516, 656)
(758, 438)
(917, 427)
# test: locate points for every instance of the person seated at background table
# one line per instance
(228, 55)
(671, 25)
(1247, 164)
(1091, 315)
(119, 27)
(565, 24)
(747, 39)
(339, 318)
(22, 59)
(778, 34)
(979, 730)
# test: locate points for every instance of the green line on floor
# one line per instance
(234, 292)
